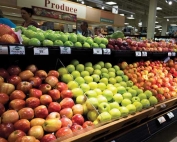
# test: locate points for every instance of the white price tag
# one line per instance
(138, 54)
(97, 51)
(170, 115)
(166, 59)
(107, 51)
(169, 54)
(17, 50)
(65, 50)
(163, 105)
(3, 49)
(144, 54)
(161, 119)
(173, 54)
(41, 51)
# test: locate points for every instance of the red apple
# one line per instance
(64, 131)
(15, 135)
(26, 139)
(88, 124)
(53, 73)
(67, 103)
(61, 86)
(4, 98)
(1, 80)
(48, 138)
(9, 116)
(45, 99)
(41, 74)
(14, 79)
(55, 94)
(26, 113)
(35, 81)
(66, 122)
(14, 70)
(32, 68)
(76, 128)
(35, 93)
(7, 88)
(51, 80)
(26, 75)
(78, 119)
(78, 109)
(32, 102)
(54, 107)
(66, 94)
(24, 86)
(66, 112)
(41, 111)
(2, 109)
(53, 115)
(36, 131)
(3, 140)
(17, 94)
(17, 104)
(22, 124)
(6, 129)
(4, 73)
(45, 88)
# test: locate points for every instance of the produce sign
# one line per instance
(54, 14)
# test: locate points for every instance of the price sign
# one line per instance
(173, 54)
(3, 50)
(169, 54)
(107, 51)
(17, 50)
(144, 54)
(97, 51)
(41, 51)
(65, 50)
(161, 119)
(170, 115)
(138, 54)
(166, 59)
(163, 105)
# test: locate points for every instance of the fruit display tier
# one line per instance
(151, 116)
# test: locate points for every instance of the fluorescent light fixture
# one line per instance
(156, 22)
(170, 2)
(167, 19)
(126, 23)
(111, 3)
(102, 7)
(173, 25)
(159, 29)
(121, 14)
(89, 7)
(129, 26)
(156, 16)
(158, 8)
(82, 2)
(131, 17)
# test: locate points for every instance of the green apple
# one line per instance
(108, 94)
(75, 74)
(101, 63)
(104, 80)
(58, 43)
(111, 70)
(89, 41)
(40, 36)
(96, 77)
(34, 42)
(98, 72)
(117, 85)
(94, 45)
(139, 91)
(138, 106)
(134, 87)
(145, 103)
(81, 38)
(119, 79)
(98, 91)
(89, 69)
(91, 93)
(88, 64)
(153, 100)
(132, 91)
(101, 86)
(70, 68)
(129, 83)
(112, 74)
(119, 73)
(103, 107)
(116, 67)
(74, 62)
(92, 115)
(86, 45)
(29, 33)
(148, 93)
(78, 44)
(104, 70)
(131, 108)
(77, 92)
(72, 84)
(102, 45)
(125, 102)
(112, 80)
(125, 78)
(63, 38)
(66, 78)
(114, 105)
(81, 99)
(105, 75)
(97, 39)
(121, 90)
(113, 89)
(97, 66)
(72, 37)
(127, 95)
(51, 36)
(123, 84)
(85, 73)
(25, 40)
(31, 27)
(115, 113)
(68, 44)
(85, 87)
(109, 85)
(108, 65)
(104, 41)
(101, 99)
(104, 117)
(142, 96)
(124, 111)
(135, 99)
(93, 85)
(92, 103)
(80, 67)
(118, 98)
(85, 108)
(79, 80)
(88, 79)
(62, 71)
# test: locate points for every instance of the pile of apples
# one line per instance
(35, 106)
(158, 77)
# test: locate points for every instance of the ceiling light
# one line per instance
(121, 14)
(111, 3)
(173, 25)
(167, 19)
(102, 7)
(131, 17)
(156, 16)
(159, 29)
(126, 23)
(156, 22)
(82, 2)
(89, 7)
(158, 8)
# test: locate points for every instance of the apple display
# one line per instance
(3, 140)
(41, 74)
(64, 132)
(32, 68)
(114, 105)
(15, 135)
(24, 86)
(35, 81)
(6, 129)
(153, 100)
(16, 94)
(2, 109)
(118, 97)
(72, 84)
(103, 107)
(115, 113)
(53, 73)
(48, 138)
(125, 102)
(41, 111)
(88, 125)
(36, 131)
(66, 112)
(92, 103)
(17, 104)
(7, 88)
(78, 109)
(76, 128)
(55, 94)
(91, 93)
(108, 94)
(32, 102)
(26, 139)
(4, 73)
(37, 122)
(67, 103)
(45, 88)
(124, 111)
(51, 80)
(9, 116)
(145, 103)
(4, 98)
(35, 93)
(104, 117)
(77, 92)
(66, 122)
(92, 115)
(66, 94)
(54, 107)
(61, 86)
(52, 125)
(26, 75)
(26, 113)
(131, 108)
(138, 106)
(78, 119)
(45, 99)
(14, 79)
(81, 99)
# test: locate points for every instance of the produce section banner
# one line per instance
(54, 14)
